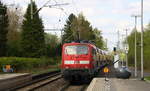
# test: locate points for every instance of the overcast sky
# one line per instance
(107, 15)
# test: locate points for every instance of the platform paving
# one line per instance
(11, 80)
(11, 75)
(115, 84)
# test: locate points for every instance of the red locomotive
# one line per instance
(81, 60)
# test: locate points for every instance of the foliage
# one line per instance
(147, 78)
(3, 29)
(68, 33)
(131, 42)
(32, 37)
(98, 39)
(147, 47)
(27, 63)
(53, 46)
(15, 21)
(82, 29)
(78, 28)
(14, 29)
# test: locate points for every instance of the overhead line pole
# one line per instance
(135, 60)
(123, 48)
(142, 76)
(135, 52)
(118, 45)
(106, 43)
(126, 49)
(31, 1)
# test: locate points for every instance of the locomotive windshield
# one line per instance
(76, 50)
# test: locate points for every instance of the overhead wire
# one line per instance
(61, 8)
(73, 2)
(42, 6)
(66, 15)
(60, 16)
(47, 2)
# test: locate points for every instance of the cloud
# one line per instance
(107, 15)
(87, 11)
(50, 12)
(123, 24)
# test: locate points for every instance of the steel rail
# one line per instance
(66, 87)
(42, 85)
(36, 79)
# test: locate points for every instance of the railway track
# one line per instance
(70, 87)
(38, 82)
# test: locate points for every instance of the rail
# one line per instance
(39, 78)
(69, 87)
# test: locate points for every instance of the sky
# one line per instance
(109, 16)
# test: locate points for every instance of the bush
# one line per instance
(18, 63)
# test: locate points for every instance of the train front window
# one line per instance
(76, 50)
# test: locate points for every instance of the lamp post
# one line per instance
(135, 55)
(142, 76)
(126, 48)
(123, 46)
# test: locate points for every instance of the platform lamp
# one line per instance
(135, 46)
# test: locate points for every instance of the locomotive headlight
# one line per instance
(86, 67)
(69, 62)
(66, 67)
(84, 62)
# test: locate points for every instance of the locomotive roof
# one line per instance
(81, 44)
(92, 45)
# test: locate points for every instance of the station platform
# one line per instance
(115, 84)
(11, 80)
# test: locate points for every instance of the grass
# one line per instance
(43, 70)
(147, 78)
(30, 65)
(37, 70)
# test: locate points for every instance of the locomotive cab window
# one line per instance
(76, 50)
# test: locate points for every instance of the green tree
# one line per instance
(80, 28)
(32, 37)
(147, 47)
(131, 42)
(53, 47)
(68, 33)
(98, 39)
(15, 21)
(3, 29)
